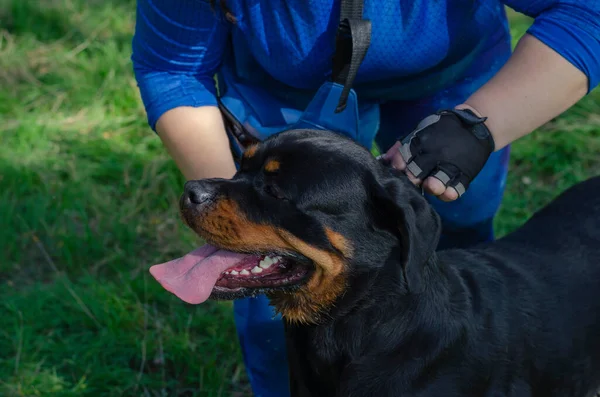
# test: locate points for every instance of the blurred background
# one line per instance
(88, 202)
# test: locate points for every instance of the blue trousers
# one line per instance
(465, 222)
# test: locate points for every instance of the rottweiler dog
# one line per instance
(345, 248)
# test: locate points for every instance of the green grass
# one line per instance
(88, 202)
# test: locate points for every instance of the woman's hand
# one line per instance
(447, 149)
(534, 86)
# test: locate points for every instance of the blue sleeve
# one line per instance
(569, 27)
(177, 48)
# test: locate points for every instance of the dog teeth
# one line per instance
(268, 261)
(256, 270)
(264, 264)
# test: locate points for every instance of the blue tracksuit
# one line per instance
(424, 55)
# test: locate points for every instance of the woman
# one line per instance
(273, 58)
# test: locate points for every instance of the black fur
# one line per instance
(517, 317)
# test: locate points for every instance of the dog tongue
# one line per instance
(192, 277)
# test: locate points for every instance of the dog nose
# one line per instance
(198, 192)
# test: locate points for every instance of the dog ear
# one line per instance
(402, 206)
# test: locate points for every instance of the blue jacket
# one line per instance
(285, 46)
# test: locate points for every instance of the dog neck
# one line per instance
(383, 316)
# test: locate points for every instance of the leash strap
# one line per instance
(352, 41)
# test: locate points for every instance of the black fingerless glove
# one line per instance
(450, 145)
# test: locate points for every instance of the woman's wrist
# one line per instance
(487, 122)
(469, 107)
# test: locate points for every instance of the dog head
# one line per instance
(309, 216)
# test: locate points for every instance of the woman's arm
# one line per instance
(196, 139)
(534, 86)
(177, 48)
(553, 66)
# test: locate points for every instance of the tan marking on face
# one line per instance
(226, 226)
(328, 282)
(340, 242)
(250, 151)
(272, 165)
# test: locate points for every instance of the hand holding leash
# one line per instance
(451, 146)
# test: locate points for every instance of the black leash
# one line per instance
(352, 41)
